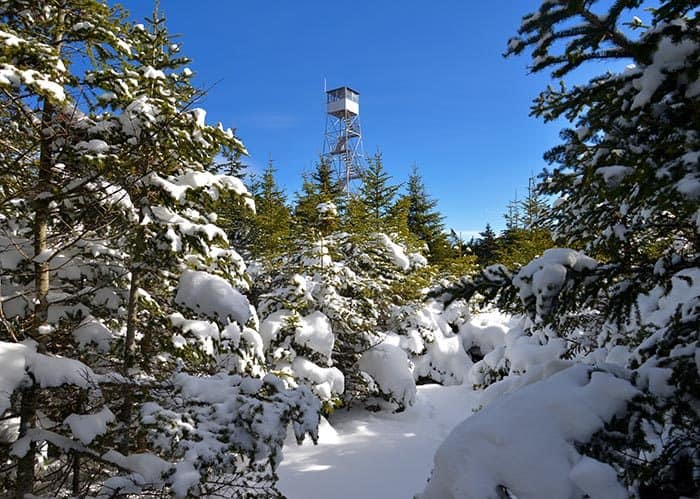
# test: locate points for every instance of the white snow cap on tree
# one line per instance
(213, 296)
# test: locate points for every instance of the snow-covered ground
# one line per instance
(375, 455)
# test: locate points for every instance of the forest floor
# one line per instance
(368, 455)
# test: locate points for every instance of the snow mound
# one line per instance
(212, 296)
(426, 332)
(271, 326)
(390, 368)
(524, 441)
(12, 365)
(327, 209)
(93, 331)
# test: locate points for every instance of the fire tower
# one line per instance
(342, 145)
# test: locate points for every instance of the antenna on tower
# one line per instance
(342, 144)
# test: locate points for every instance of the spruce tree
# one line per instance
(534, 207)
(626, 181)
(234, 213)
(106, 228)
(376, 193)
(273, 220)
(320, 188)
(424, 221)
(486, 247)
(44, 191)
(513, 215)
(526, 235)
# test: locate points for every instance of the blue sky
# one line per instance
(435, 90)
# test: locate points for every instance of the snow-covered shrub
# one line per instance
(428, 332)
(325, 306)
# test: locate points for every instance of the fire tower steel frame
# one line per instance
(342, 145)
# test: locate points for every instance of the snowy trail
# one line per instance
(375, 455)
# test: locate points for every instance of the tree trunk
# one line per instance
(28, 403)
(30, 395)
(25, 466)
(125, 414)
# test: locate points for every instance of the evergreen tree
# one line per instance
(318, 189)
(109, 261)
(513, 215)
(234, 213)
(376, 193)
(624, 178)
(526, 235)
(42, 172)
(486, 247)
(397, 224)
(323, 307)
(423, 220)
(626, 183)
(533, 207)
(230, 163)
(273, 220)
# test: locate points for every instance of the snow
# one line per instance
(273, 324)
(84, 25)
(327, 209)
(178, 186)
(206, 332)
(51, 88)
(12, 364)
(375, 455)
(327, 380)
(19, 359)
(199, 116)
(396, 252)
(151, 468)
(598, 480)
(669, 56)
(545, 276)
(93, 331)
(152, 74)
(88, 426)
(9, 39)
(212, 296)
(524, 441)
(613, 175)
(94, 146)
(315, 332)
(53, 371)
(390, 368)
